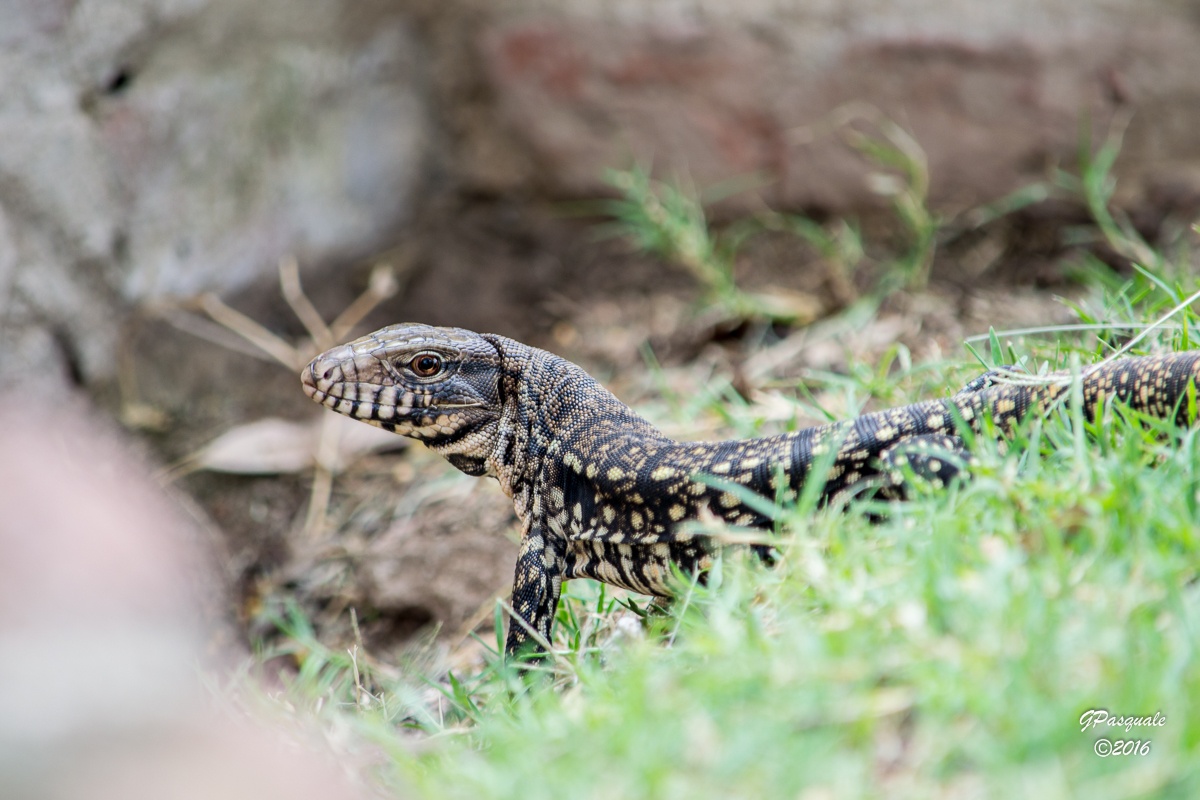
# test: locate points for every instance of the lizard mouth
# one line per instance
(309, 382)
(325, 383)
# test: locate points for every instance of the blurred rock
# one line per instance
(163, 147)
(711, 90)
(102, 639)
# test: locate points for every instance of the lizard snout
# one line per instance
(324, 372)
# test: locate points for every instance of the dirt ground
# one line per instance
(418, 550)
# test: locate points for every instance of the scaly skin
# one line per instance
(601, 493)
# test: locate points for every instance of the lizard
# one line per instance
(601, 493)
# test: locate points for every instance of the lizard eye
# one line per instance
(426, 365)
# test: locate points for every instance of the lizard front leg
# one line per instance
(536, 588)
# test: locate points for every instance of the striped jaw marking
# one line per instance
(415, 380)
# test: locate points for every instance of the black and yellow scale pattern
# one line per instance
(601, 493)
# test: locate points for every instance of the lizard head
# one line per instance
(439, 385)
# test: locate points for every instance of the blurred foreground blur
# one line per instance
(104, 640)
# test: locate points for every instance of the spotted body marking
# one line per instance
(603, 494)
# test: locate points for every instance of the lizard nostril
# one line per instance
(321, 373)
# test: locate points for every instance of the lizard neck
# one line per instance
(550, 408)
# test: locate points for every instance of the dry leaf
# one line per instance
(273, 446)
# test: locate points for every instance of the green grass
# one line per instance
(669, 220)
(942, 647)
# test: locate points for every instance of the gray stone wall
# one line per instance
(992, 92)
(168, 147)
